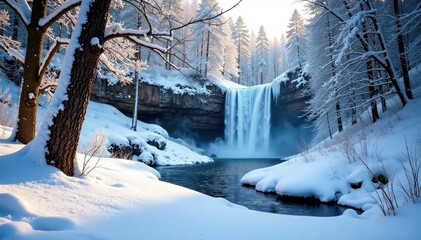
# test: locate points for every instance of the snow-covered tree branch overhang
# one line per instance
(22, 8)
(52, 17)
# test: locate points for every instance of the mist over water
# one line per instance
(258, 126)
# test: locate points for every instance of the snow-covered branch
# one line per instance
(118, 58)
(6, 42)
(48, 20)
(58, 42)
(205, 18)
(22, 8)
(16, 54)
(147, 44)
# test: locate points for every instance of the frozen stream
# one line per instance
(222, 179)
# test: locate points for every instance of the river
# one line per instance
(222, 179)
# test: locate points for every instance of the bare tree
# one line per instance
(352, 29)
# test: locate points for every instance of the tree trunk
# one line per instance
(136, 79)
(388, 65)
(67, 123)
(200, 56)
(370, 76)
(372, 92)
(239, 57)
(385, 62)
(136, 95)
(328, 124)
(333, 69)
(168, 56)
(402, 53)
(382, 99)
(14, 66)
(207, 51)
(28, 102)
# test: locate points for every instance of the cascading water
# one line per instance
(264, 121)
(248, 120)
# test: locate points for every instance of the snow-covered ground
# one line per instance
(125, 200)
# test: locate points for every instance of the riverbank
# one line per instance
(371, 167)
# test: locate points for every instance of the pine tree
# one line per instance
(253, 80)
(275, 58)
(207, 44)
(296, 41)
(172, 16)
(262, 55)
(230, 70)
(186, 32)
(241, 37)
(282, 54)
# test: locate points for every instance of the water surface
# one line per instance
(222, 179)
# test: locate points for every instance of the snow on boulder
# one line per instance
(122, 142)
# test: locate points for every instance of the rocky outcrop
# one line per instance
(292, 92)
(292, 100)
(197, 116)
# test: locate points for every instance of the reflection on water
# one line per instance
(222, 179)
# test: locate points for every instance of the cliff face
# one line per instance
(292, 98)
(197, 116)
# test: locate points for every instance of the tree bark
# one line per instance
(333, 69)
(372, 92)
(402, 53)
(387, 64)
(136, 99)
(15, 65)
(28, 102)
(328, 124)
(67, 124)
(370, 75)
(207, 51)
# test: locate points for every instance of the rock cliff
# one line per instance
(195, 116)
(199, 116)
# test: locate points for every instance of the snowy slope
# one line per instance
(117, 127)
(352, 157)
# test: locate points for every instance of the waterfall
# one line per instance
(248, 119)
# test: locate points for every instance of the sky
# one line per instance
(274, 15)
